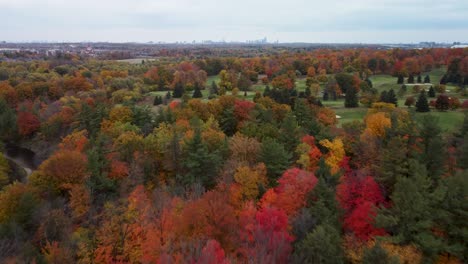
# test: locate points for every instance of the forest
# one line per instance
(353, 155)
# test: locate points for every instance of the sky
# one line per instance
(326, 21)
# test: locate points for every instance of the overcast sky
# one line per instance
(357, 21)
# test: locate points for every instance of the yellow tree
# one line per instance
(376, 124)
(249, 180)
(336, 153)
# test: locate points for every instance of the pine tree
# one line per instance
(276, 159)
(401, 79)
(383, 96)
(197, 93)
(178, 90)
(323, 245)
(228, 122)
(394, 163)
(213, 88)
(267, 91)
(433, 155)
(308, 93)
(377, 254)
(168, 95)
(427, 79)
(391, 98)
(431, 92)
(198, 163)
(453, 212)
(419, 79)
(289, 133)
(422, 105)
(369, 82)
(410, 78)
(7, 121)
(412, 215)
(325, 95)
(157, 100)
(351, 99)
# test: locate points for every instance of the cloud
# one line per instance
(240, 19)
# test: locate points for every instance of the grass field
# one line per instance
(448, 120)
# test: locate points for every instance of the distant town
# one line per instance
(205, 48)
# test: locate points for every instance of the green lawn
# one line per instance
(448, 121)
(350, 114)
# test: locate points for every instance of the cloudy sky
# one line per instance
(357, 21)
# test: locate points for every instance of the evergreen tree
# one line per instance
(427, 79)
(443, 80)
(228, 122)
(453, 212)
(419, 79)
(324, 206)
(394, 163)
(308, 93)
(178, 90)
(391, 98)
(377, 254)
(325, 95)
(197, 92)
(305, 117)
(401, 79)
(383, 96)
(168, 95)
(198, 163)
(321, 246)
(99, 185)
(369, 82)
(267, 91)
(422, 105)
(276, 159)
(433, 155)
(410, 78)
(157, 100)
(289, 133)
(351, 98)
(7, 121)
(411, 217)
(161, 84)
(213, 88)
(431, 92)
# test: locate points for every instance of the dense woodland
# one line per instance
(227, 160)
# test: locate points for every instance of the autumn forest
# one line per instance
(235, 155)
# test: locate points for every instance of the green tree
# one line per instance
(178, 90)
(321, 246)
(8, 125)
(305, 118)
(199, 164)
(197, 92)
(228, 121)
(411, 217)
(433, 155)
(422, 105)
(452, 214)
(391, 97)
(427, 79)
(431, 92)
(351, 98)
(377, 254)
(289, 133)
(276, 159)
(394, 163)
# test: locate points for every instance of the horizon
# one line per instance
(300, 21)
